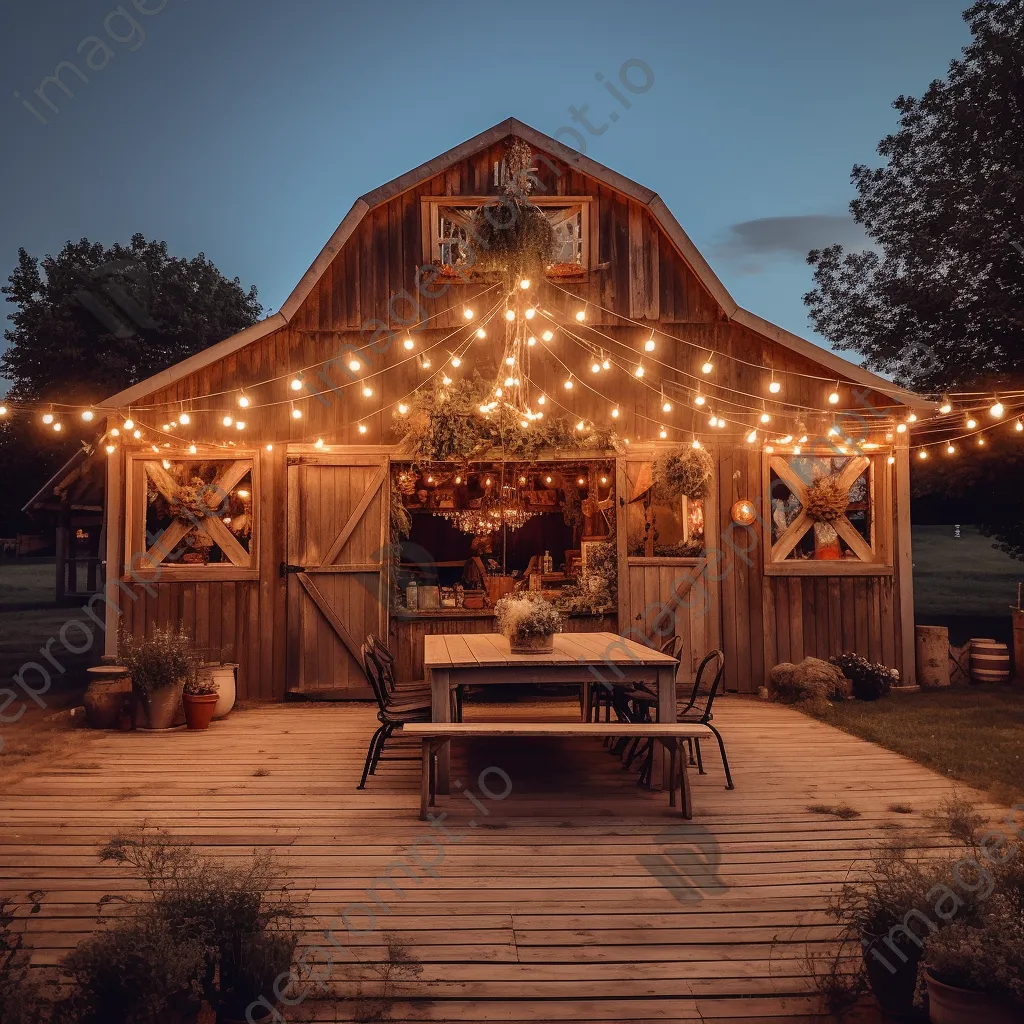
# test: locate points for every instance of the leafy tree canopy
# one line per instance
(939, 304)
(93, 320)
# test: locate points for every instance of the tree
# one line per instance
(940, 303)
(92, 321)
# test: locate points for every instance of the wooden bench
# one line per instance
(435, 735)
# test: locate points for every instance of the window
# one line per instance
(827, 513)
(447, 230)
(194, 516)
(657, 527)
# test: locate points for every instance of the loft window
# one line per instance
(448, 237)
(658, 527)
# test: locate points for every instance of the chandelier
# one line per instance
(489, 517)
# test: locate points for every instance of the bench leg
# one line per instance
(426, 778)
(684, 785)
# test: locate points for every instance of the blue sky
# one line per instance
(245, 129)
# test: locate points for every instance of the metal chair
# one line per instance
(416, 690)
(391, 714)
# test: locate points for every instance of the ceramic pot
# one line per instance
(109, 687)
(199, 709)
(894, 989)
(949, 1005)
(533, 644)
(222, 675)
(161, 708)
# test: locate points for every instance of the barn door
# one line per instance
(337, 517)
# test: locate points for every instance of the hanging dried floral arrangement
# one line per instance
(686, 472)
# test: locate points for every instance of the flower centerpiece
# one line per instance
(528, 621)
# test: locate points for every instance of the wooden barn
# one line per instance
(340, 511)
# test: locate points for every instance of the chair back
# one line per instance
(385, 661)
(703, 696)
(372, 668)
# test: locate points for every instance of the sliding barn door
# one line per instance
(337, 521)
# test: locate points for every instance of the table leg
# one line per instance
(686, 798)
(660, 769)
(425, 778)
(441, 711)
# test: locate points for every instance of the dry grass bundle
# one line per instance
(826, 501)
(686, 472)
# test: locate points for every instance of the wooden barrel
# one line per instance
(990, 661)
(110, 688)
(932, 656)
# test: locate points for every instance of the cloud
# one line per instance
(788, 237)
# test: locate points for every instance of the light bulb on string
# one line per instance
(581, 426)
(240, 425)
(408, 344)
(3, 410)
(424, 363)
(595, 367)
(88, 415)
(713, 421)
(971, 423)
(901, 428)
(362, 428)
(243, 401)
(981, 442)
(752, 437)
(768, 449)
(296, 414)
(922, 454)
(114, 432)
(997, 410)
(581, 315)
(48, 418)
(510, 315)
(1018, 426)
(891, 459)
(58, 427)
(542, 400)
(531, 341)
(530, 313)
(606, 364)
(699, 399)
(318, 443)
(296, 384)
(446, 380)
(666, 406)
(833, 398)
(270, 447)
(912, 418)
(547, 335)
(227, 421)
(524, 284)
(367, 392)
(354, 365)
(192, 449)
(946, 407)
(129, 424)
(137, 434)
(481, 333)
(708, 365)
(774, 387)
(696, 445)
(111, 448)
(951, 448)
(568, 384)
(456, 362)
(721, 423)
(663, 433)
(615, 413)
(402, 408)
(468, 313)
(649, 344)
(639, 371)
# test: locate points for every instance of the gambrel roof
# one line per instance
(843, 368)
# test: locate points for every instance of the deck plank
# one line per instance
(576, 897)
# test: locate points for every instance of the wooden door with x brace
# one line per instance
(337, 583)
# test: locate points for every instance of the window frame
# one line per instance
(430, 222)
(136, 568)
(880, 489)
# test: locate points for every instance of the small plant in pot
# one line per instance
(528, 621)
(200, 697)
(160, 665)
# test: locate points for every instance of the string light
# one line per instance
(318, 443)
(922, 454)
(296, 414)
(362, 428)
(402, 408)
(367, 392)
(227, 421)
(721, 423)
(296, 384)
(663, 433)
(166, 464)
(192, 449)
(713, 421)
(48, 418)
(243, 402)
(530, 313)
(606, 365)
(769, 449)
(901, 428)
(480, 333)
(951, 448)
(581, 315)
(581, 426)
(137, 434)
(408, 344)
(185, 419)
(129, 424)
(708, 365)
(547, 335)
(111, 448)
(696, 445)
(525, 283)
(542, 400)
(981, 442)
(752, 437)
(971, 423)
(997, 410)
(595, 367)
(3, 410)
(666, 406)
(774, 387)
(639, 371)
(114, 432)
(58, 426)
(446, 380)
(568, 384)
(699, 399)
(531, 341)
(166, 428)
(240, 425)
(468, 313)
(649, 344)
(88, 415)
(946, 407)
(456, 362)
(912, 418)
(424, 363)
(615, 413)
(270, 447)
(510, 315)
(891, 459)
(833, 398)
(1018, 426)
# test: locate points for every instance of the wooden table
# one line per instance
(484, 659)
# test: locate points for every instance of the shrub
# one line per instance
(526, 615)
(870, 681)
(22, 996)
(162, 659)
(132, 971)
(811, 680)
(201, 686)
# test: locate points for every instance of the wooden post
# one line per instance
(932, 650)
(63, 527)
(904, 563)
(1018, 645)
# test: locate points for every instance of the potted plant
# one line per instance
(974, 970)
(528, 621)
(200, 699)
(160, 665)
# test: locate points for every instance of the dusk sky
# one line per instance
(245, 129)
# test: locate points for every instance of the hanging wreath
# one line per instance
(826, 501)
(686, 472)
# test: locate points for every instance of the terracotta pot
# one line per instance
(161, 709)
(949, 1005)
(109, 687)
(826, 542)
(894, 989)
(199, 709)
(533, 644)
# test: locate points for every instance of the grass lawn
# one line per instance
(971, 734)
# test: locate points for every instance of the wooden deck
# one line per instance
(578, 897)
